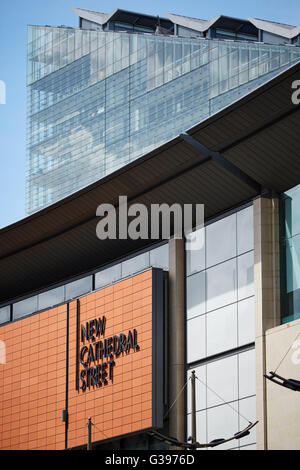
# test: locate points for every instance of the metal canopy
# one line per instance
(257, 135)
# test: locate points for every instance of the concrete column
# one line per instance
(176, 329)
(267, 297)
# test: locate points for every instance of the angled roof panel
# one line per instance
(280, 29)
(284, 30)
(123, 16)
(95, 16)
(192, 23)
(220, 21)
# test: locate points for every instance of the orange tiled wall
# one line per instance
(33, 380)
(124, 405)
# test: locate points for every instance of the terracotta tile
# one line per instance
(127, 305)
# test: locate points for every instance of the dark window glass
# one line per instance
(122, 27)
(224, 34)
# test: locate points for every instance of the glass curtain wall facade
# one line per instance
(98, 100)
(290, 254)
(220, 330)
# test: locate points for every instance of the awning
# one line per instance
(252, 146)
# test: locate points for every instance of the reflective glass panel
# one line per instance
(77, 288)
(246, 321)
(247, 373)
(222, 329)
(247, 408)
(108, 276)
(222, 378)
(221, 285)
(195, 259)
(195, 294)
(245, 275)
(25, 307)
(4, 314)
(245, 230)
(292, 215)
(196, 341)
(159, 257)
(51, 297)
(221, 240)
(136, 264)
(290, 254)
(222, 422)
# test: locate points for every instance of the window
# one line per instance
(159, 257)
(196, 339)
(225, 34)
(136, 264)
(222, 330)
(25, 307)
(195, 259)
(221, 285)
(77, 288)
(222, 377)
(51, 297)
(290, 254)
(245, 230)
(222, 422)
(220, 319)
(247, 373)
(108, 276)
(196, 295)
(201, 426)
(246, 324)
(221, 240)
(4, 314)
(245, 275)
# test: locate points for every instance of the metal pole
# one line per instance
(89, 444)
(193, 407)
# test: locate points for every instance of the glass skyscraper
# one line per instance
(102, 95)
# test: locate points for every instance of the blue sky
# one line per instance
(14, 17)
